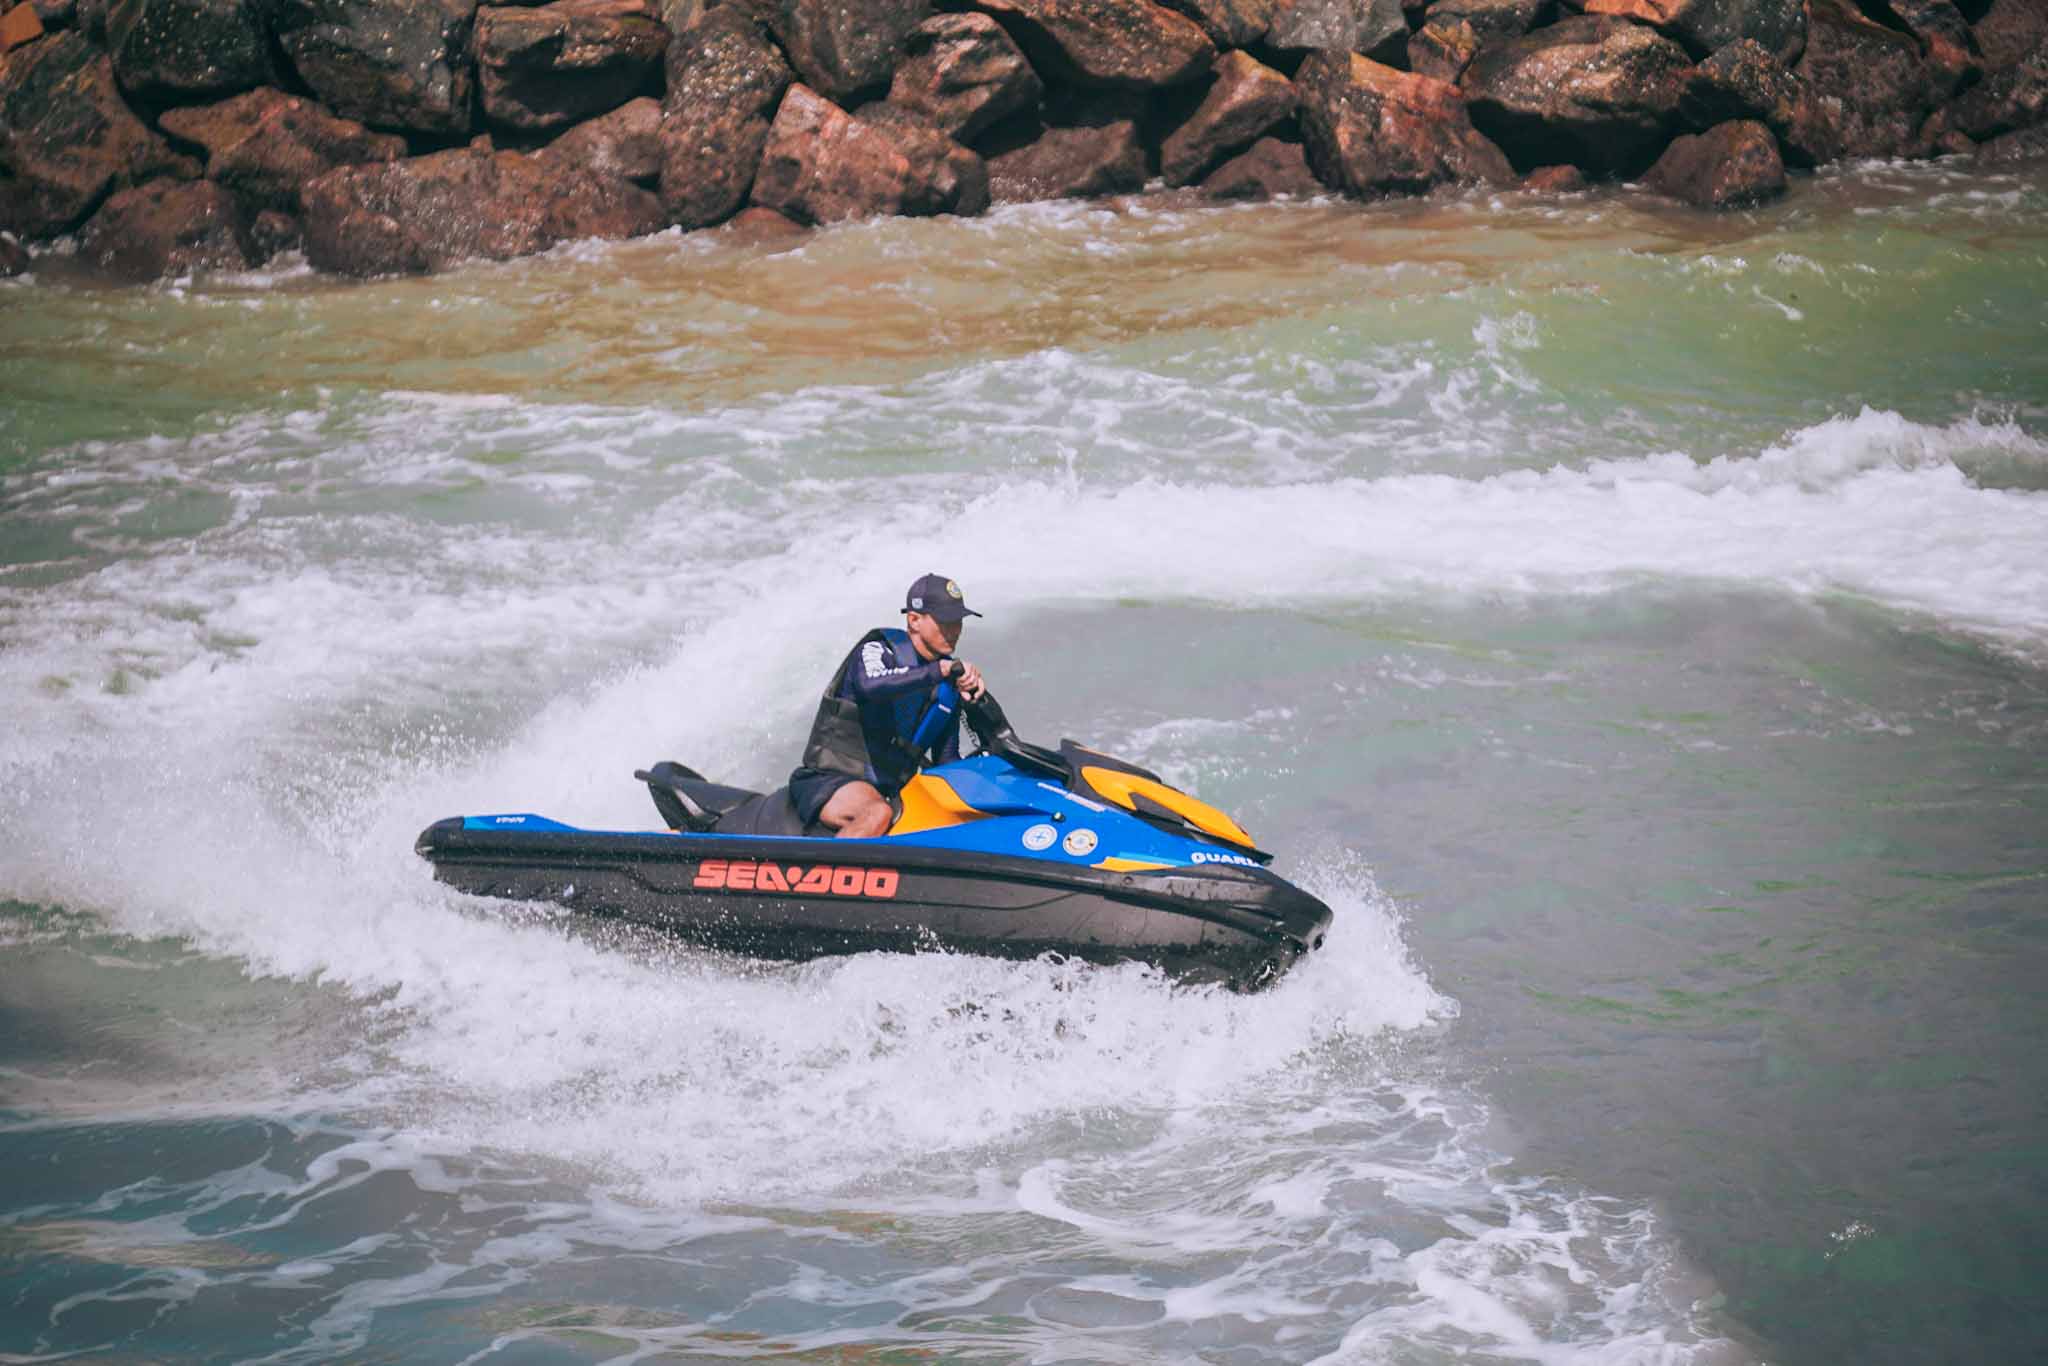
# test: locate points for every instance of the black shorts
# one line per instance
(811, 788)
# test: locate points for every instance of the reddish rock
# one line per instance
(18, 25)
(1597, 93)
(2010, 98)
(1247, 101)
(2007, 32)
(264, 144)
(168, 227)
(403, 64)
(725, 80)
(1490, 18)
(1442, 49)
(756, 226)
(1554, 180)
(1377, 27)
(624, 143)
(842, 48)
(1740, 81)
(823, 165)
(1228, 23)
(551, 65)
(962, 74)
(1070, 163)
(1726, 167)
(66, 138)
(1945, 37)
(1872, 88)
(1702, 26)
(424, 213)
(1268, 169)
(183, 49)
(1129, 44)
(1371, 130)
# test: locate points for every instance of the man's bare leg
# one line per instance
(857, 811)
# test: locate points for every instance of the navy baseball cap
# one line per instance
(935, 595)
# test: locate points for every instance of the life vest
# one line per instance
(838, 742)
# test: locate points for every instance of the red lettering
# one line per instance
(847, 881)
(710, 873)
(818, 880)
(740, 877)
(881, 883)
(769, 879)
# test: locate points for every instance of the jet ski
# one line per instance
(1017, 851)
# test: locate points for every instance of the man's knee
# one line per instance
(858, 811)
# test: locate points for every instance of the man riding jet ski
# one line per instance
(864, 743)
(885, 838)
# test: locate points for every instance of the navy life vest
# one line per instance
(840, 737)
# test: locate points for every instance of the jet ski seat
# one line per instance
(690, 802)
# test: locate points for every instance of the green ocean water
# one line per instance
(1632, 622)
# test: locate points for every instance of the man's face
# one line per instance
(933, 637)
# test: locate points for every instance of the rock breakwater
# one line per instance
(403, 135)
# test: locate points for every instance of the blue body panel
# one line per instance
(1027, 817)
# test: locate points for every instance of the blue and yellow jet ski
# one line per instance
(1017, 851)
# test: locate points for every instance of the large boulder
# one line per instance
(2008, 99)
(1229, 23)
(1443, 48)
(842, 47)
(1945, 37)
(1491, 18)
(2009, 31)
(1128, 44)
(962, 73)
(1371, 130)
(1704, 25)
(399, 64)
(725, 79)
(2021, 146)
(1377, 27)
(1267, 169)
(265, 144)
(624, 143)
(1742, 81)
(424, 213)
(543, 67)
(1597, 93)
(1247, 101)
(168, 50)
(168, 227)
(1873, 89)
(67, 140)
(1069, 163)
(1726, 167)
(823, 165)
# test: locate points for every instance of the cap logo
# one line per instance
(917, 604)
(952, 588)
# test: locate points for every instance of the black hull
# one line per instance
(783, 900)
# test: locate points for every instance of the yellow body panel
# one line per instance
(1119, 787)
(931, 804)
(1129, 865)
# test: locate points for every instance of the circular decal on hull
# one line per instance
(1079, 842)
(1040, 837)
